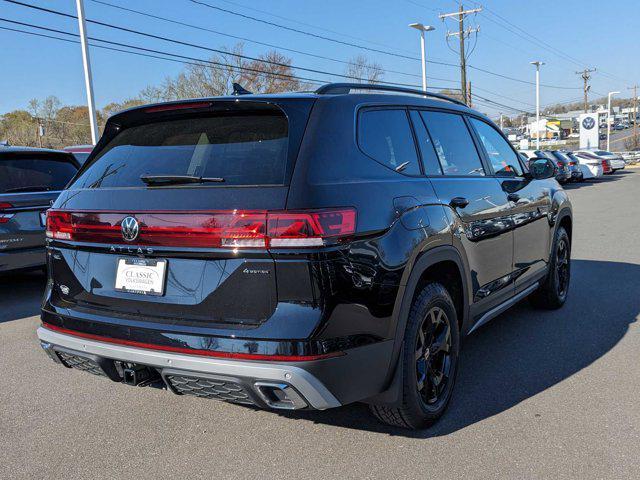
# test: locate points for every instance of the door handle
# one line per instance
(513, 197)
(459, 202)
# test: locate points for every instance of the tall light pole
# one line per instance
(88, 81)
(537, 64)
(608, 117)
(423, 29)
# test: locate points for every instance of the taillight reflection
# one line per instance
(5, 216)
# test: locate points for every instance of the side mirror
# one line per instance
(542, 168)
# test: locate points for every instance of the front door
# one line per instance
(530, 203)
(477, 205)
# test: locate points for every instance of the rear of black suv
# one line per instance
(175, 259)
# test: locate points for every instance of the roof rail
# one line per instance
(342, 88)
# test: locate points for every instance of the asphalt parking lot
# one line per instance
(539, 395)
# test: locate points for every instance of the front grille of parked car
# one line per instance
(81, 363)
(209, 388)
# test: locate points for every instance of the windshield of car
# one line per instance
(34, 173)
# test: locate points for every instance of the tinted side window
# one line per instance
(503, 159)
(429, 156)
(385, 136)
(453, 143)
(27, 174)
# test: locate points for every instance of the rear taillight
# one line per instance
(572, 164)
(309, 229)
(4, 215)
(220, 229)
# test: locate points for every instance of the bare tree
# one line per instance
(271, 73)
(361, 70)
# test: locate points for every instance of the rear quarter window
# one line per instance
(33, 173)
(243, 149)
(385, 136)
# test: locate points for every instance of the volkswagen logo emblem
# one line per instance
(130, 229)
(588, 123)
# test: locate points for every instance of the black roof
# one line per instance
(379, 95)
(16, 149)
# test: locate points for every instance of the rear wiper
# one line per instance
(28, 188)
(177, 179)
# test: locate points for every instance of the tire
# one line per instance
(553, 292)
(432, 322)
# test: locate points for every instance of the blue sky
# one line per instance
(568, 35)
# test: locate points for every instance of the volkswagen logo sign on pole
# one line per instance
(130, 229)
(588, 130)
(588, 123)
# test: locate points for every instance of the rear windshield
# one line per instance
(242, 148)
(22, 173)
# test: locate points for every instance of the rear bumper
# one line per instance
(318, 384)
(22, 259)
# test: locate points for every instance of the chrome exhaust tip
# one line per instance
(280, 396)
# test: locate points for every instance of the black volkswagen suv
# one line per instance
(30, 180)
(299, 250)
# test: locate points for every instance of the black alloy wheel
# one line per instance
(433, 356)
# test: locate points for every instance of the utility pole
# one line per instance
(635, 112)
(609, 117)
(88, 80)
(585, 74)
(469, 99)
(463, 35)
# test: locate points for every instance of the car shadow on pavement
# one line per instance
(524, 351)
(593, 182)
(20, 295)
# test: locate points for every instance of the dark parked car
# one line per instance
(299, 250)
(563, 173)
(573, 164)
(30, 179)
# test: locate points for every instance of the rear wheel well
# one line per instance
(566, 223)
(447, 274)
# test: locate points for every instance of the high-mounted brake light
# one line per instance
(5, 216)
(217, 229)
(176, 106)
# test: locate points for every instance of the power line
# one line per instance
(190, 60)
(434, 62)
(302, 32)
(245, 39)
(493, 102)
(520, 80)
(542, 44)
(185, 60)
(264, 12)
(203, 47)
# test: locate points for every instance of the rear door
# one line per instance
(477, 203)
(200, 241)
(29, 182)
